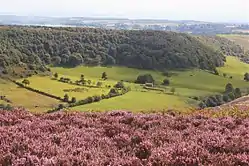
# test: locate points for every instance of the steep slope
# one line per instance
(226, 46)
(32, 48)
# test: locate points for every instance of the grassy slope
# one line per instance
(21, 97)
(201, 83)
(242, 40)
(235, 68)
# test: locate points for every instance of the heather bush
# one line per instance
(122, 138)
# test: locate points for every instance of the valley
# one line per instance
(188, 84)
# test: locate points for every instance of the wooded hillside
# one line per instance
(34, 47)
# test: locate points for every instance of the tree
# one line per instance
(166, 82)
(173, 90)
(56, 75)
(229, 88)
(237, 93)
(73, 100)
(60, 106)
(26, 82)
(104, 76)
(99, 84)
(119, 85)
(231, 96)
(225, 98)
(219, 99)
(246, 76)
(146, 78)
(89, 82)
(216, 71)
(113, 91)
(82, 77)
(75, 60)
(66, 98)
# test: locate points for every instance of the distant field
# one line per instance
(113, 73)
(21, 97)
(242, 40)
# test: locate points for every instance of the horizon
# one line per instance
(211, 11)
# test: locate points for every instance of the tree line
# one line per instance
(33, 48)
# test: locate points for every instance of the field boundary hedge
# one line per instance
(38, 91)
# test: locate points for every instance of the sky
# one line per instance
(202, 10)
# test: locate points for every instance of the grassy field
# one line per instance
(46, 84)
(113, 73)
(188, 84)
(242, 40)
(137, 101)
(235, 68)
(21, 97)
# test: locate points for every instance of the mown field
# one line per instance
(187, 84)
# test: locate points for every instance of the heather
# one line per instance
(122, 138)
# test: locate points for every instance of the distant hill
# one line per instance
(33, 48)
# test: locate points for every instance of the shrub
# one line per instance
(225, 98)
(146, 78)
(229, 88)
(66, 98)
(166, 82)
(246, 76)
(237, 93)
(73, 100)
(119, 85)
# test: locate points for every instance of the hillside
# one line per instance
(240, 39)
(226, 46)
(32, 48)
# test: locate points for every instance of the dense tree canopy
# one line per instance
(34, 47)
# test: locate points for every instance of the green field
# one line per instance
(188, 84)
(21, 97)
(137, 101)
(54, 87)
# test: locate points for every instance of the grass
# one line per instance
(46, 84)
(113, 73)
(137, 101)
(188, 83)
(21, 97)
(235, 68)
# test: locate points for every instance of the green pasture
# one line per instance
(54, 87)
(21, 97)
(187, 84)
(137, 101)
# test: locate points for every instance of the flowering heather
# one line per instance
(121, 138)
